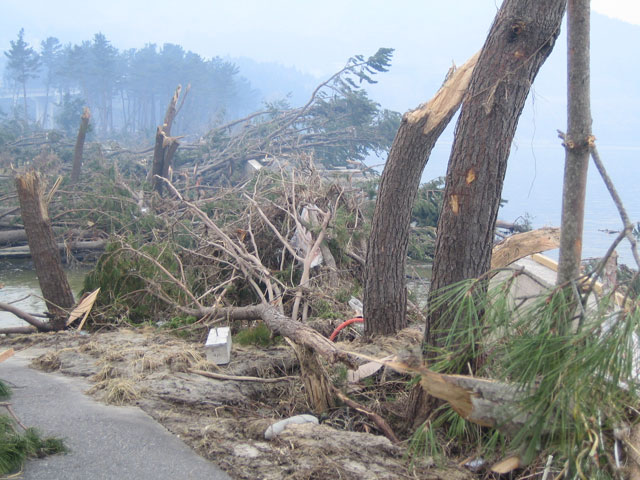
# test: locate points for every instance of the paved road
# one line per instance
(106, 442)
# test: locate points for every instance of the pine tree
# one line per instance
(23, 64)
(49, 56)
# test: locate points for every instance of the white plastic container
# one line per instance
(218, 346)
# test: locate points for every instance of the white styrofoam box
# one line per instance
(218, 346)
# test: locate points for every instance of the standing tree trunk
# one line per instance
(77, 151)
(24, 96)
(44, 250)
(577, 141)
(165, 146)
(520, 40)
(385, 295)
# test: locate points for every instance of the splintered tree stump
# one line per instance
(165, 145)
(316, 381)
(77, 151)
(44, 249)
(385, 293)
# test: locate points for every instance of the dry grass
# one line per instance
(117, 391)
(49, 362)
(183, 360)
(147, 363)
(92, 348)
(113, 356)
(107, 372)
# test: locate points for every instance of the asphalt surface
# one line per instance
(106, 442)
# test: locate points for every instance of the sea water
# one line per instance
(533, 186)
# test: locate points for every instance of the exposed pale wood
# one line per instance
(507, 465)
(171, 111)
(545, 261)
(317, 385)
(165, 145)
(83, 308)
(446, 99)
(524, 244)
(385, 293)
(6, 354)
(479, 400)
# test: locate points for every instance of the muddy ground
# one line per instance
(225, 420)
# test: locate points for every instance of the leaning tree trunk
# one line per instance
(576, 141)
(385, 295)
(520, 40)
(77, 151)
(44, 250)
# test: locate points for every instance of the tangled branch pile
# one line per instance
(279, 235)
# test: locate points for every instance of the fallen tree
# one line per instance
(73, 247)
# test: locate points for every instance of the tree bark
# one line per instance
(385, 295)
(77, 151)
(577, 141)
(520, 40)
(298, 332)
(165, 146)
(44, 250)
(39, 325)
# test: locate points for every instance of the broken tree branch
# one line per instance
(27, 317)
(524, 244)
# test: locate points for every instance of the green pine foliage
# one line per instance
(5, 390)
(16, 445)
(574, 367)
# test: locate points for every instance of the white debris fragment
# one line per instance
(218, 345)
(277, 428)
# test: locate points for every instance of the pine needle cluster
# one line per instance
(574, 360)
(17, 445)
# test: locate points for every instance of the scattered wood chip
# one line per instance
(507, 465)
(6, 354)
(83, 308)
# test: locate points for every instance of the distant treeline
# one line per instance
(127, 91)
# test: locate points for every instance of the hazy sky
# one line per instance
(317, 37)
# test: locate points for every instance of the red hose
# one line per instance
(345, 324)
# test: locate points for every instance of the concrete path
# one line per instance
(106, 442)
